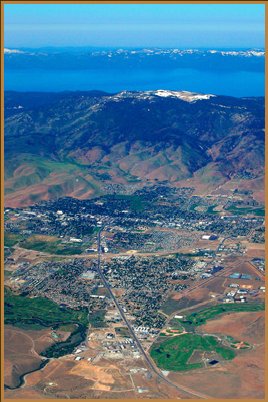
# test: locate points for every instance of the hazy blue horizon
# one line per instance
(135, 25)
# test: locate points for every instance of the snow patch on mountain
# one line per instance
(246, 53)
(150, 95)
(183, 95)
(12, 51)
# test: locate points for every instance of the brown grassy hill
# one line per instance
(73, 142)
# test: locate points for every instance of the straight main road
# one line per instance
(140, 347)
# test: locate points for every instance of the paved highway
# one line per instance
(140, 347)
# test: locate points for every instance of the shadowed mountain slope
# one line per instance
(70, 143)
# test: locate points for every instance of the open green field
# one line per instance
(10, 239)
(66, 327)
(209, 209)
(39, 312)
(196, 254)
(246, 211)
(201, 317)
(96, 319)
(173, 353)
(51, 245)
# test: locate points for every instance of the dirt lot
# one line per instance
(200, 294)
(246, 326)
(25, 394)
(101, 379)
(255, 249)
(21, 255)
(21, 352)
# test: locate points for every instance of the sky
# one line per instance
(134, 25)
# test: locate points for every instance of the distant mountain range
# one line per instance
(156, 58)
(75, 143)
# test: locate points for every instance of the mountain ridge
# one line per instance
(73, 143)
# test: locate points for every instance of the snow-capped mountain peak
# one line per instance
(162, 93)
